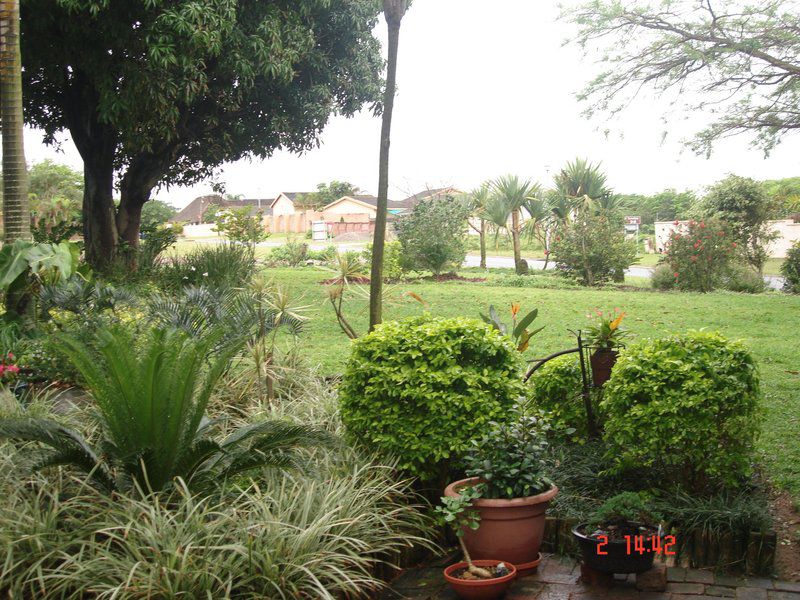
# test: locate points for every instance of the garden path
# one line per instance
(559, 579)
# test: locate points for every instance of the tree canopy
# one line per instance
(327, 193)
(156, 91)
(738, 61)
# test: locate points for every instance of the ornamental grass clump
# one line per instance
(424, 388)
(688, 404)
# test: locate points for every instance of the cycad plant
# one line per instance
(583, 185)
(256, 313)
(151, 398)
(513, 192)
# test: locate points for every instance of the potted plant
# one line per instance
(605, 336)
(622, 536)
(472, 580)
(510, 490)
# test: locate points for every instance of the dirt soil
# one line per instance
(787, 526)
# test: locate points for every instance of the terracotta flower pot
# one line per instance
(479, 589)
(511, 529)
(602, 361)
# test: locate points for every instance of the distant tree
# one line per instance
(210, 213)
(54, 197)
(393, 12)
(667, 205)
(541, 222)
(432, 235)
(743, 205)
(325, 194)
(592, 248)
(157, 91)
(16, 221)
(155, 213)
(513, 192)
(478, 201)
(238, 225)
(785, 194)
(736, 60)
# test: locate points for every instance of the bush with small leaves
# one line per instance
(556, 389)
(790, 269)
(686, 403)
(663, 278)
(423, 388)
(744, 279)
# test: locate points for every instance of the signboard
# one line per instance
(319, 231)
(633, 220)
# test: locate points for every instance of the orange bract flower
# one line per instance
(514, 308)
(615, 323)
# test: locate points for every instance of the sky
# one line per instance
(486, 89)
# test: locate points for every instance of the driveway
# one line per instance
(506, 262)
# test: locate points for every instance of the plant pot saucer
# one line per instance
(528, 568)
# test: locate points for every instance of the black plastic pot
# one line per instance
(617, 559)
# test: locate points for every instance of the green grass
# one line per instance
(764, 322)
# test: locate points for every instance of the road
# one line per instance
(495, 262)
(506, 262)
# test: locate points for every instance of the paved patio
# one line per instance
(558, 579)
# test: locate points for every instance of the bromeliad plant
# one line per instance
(153, 428)
(606, 332)
(518, 330)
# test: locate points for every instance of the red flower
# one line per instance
(694, 259)
(702, 225)
(676, 274)
(546, 252)
(733, 245)
(677, 223)
(12, 369)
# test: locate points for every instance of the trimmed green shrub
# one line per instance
(291, 254)
(790, 269)
(393, 268)
(687, 403)
(744, 279)
(423, 388)
(556, 391)
(663, 278)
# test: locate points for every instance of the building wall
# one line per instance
(788, 232)
(283, 206)
(349, 207)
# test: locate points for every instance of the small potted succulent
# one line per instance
(479, 579)
(509, 488)
(622, 536)
(605, 336)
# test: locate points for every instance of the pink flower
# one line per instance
(2, 368)
(733, 245)
(12, 369)
(676, 274)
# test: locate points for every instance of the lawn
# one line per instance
(763, 322)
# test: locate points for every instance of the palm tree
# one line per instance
(584, 184)
(497, 214)
(16, 219)
(513, 192)
(478, 199)
(393, 11)
(540, 222)
(152, 398)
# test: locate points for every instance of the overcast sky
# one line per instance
(484, 89)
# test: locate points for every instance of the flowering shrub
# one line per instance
(606, 331)
(8, 369)
(700, 255)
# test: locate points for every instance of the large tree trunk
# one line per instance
(16, 215)
(99, 223)
(515, 240)
(393, 11)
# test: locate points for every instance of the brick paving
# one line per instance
(558, 578)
